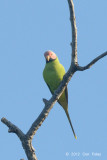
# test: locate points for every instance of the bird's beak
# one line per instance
(48, 58)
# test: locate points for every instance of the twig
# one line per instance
(74, 33)
(79, 68)
(13, 128)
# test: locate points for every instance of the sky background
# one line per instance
(27, 29)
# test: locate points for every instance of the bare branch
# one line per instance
(49, 104)
(74, 32)
(26, 143)
(27, 138)
(45, 101)
(79, 68)
(13, 128)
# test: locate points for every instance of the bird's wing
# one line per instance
(49, 88)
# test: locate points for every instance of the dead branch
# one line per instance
(79, 68)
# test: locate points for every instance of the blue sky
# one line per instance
(27, 30)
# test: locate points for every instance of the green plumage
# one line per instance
(53, 74)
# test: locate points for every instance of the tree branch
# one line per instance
(79, 68)
(49, 104)
(74, 33)
(13, 128)
(26, 143)
(26, 139)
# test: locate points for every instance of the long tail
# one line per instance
(70, 123)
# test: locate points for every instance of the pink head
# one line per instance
(50, 56)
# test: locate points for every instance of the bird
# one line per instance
(53, 75)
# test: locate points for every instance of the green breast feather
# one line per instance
(53, 75)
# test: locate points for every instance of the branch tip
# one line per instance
(3, 119)
(45, 101)
(88, 66)
(10, 130)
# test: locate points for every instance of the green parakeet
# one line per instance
(53, 74)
